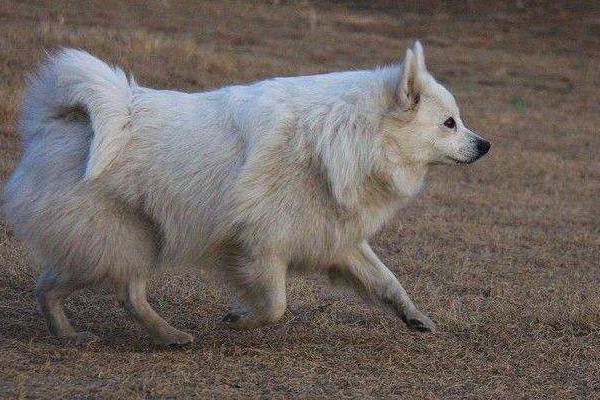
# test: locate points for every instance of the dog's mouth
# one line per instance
(459, 162)
(472, 159)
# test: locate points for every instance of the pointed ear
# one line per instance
(417, 49)
(408, 91)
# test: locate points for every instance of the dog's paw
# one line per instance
(173, 338)
(241, 320)
(232, 317)
(80, 339)
(417, 321)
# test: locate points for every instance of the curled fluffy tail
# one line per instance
(73, 79)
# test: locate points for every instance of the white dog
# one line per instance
(116, 179)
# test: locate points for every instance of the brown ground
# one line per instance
(504, 255)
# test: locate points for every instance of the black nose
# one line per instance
(483, 146)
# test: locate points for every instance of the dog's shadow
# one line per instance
(117, 333)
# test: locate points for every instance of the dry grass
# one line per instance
(504, 255)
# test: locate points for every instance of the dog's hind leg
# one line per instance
(363, 270)
(98, 240)
(261, 286)
(133, 297)
(51, 290)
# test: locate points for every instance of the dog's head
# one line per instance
(424, 125)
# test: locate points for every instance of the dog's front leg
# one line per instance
(261, 287)
(363, 270)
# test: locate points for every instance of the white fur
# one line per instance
(251, 180)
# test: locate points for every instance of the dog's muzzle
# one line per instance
(481, 147)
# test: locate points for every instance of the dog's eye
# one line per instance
(450, 123)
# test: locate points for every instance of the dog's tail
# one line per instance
(73, 81)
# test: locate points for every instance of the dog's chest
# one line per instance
(409, 183)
